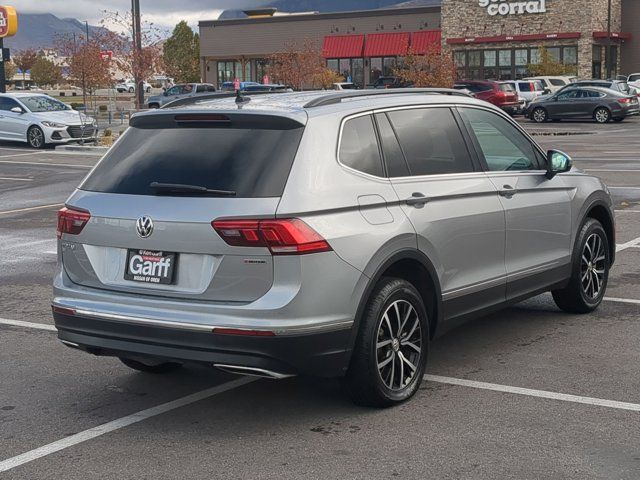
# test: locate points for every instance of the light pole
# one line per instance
(137, 56)
(608, 54)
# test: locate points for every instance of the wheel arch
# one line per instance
(26, 135)
(598, 208)
(415, 267)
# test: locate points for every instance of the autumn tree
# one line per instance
(181, 54)
(326, 78)
(24, 60)
(547, 65)
(86, 64)
(137, 64)
(10, 70)
(431, 69)
(45, 72)
(296, 65)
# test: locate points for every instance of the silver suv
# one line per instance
(323, 233)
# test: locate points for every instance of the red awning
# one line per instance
(613, 35)
(386, 44)
(421, 42)
(343, 46)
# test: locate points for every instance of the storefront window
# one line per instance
(596, 67)
(522, 57)
(504, 57)
(460, 59)
(333, 65)
(357, 71)
(388, 65)
(375, 69)
(554, 52)
(262, 66)
(490, 58)
(345, 68)
(534, 56)
(475, 58)
(570, 55)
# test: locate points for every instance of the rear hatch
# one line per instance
(144, 214)
(507, 94)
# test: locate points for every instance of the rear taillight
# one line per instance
(289, 236)
(71, 221)
(624, 101)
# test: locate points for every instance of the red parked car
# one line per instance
(500, 94)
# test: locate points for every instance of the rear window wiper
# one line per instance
(181, 189)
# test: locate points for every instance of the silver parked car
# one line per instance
(324, 233)
(39, 119)
(177, 92)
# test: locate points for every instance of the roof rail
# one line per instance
(340, 96)
(216, 96)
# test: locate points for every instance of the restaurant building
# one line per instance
(488, 39)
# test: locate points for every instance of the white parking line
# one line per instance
(623, 246)
(610, 170)
(17, 179)
(36, 326)
(534, 393)
(29, 209)
(622, 300)
(49, 164)
(20, 154)
(627, 211)
(108, 427)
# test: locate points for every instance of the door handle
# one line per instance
(507, 191)
(417, 199)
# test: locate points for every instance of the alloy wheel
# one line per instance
(539, 115)
(36, 138)
(593, 266)
(399, 345)
(602, 115)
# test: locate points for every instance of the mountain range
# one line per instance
(39, 30)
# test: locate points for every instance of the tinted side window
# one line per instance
(7, 103)
(393, 157)
(557, 82)
(431, 141)
(359, 146)
(504, 147)
(525, 86)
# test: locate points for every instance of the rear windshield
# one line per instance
(253, 162)
(506, 87)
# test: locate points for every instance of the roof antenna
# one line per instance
(241, 99)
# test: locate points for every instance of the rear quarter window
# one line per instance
(556, 82)
(506, 87)
(359, 146)
(248, 156)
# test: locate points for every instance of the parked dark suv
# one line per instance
(501, 95)
(390, 82)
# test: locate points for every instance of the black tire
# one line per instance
(131, 90)
(539, 115)
(148, 90)
(602, 115)
(388, 311)
(35, 137)
(577, 297)
(143, 367)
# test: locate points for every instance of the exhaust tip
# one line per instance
(252, 371)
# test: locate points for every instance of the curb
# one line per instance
(83, 149)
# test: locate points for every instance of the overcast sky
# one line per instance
(161, 12)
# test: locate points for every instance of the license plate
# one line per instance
(148, 266)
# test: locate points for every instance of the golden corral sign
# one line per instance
(8, 22)
(510, 7)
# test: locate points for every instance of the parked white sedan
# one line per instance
(129, 85)
(39, 119)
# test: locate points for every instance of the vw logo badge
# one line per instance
(144, 226)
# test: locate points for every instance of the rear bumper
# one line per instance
(324, 354)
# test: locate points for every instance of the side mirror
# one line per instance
(17, 110)
(557, 162)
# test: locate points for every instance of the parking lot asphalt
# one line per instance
(528, 392)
